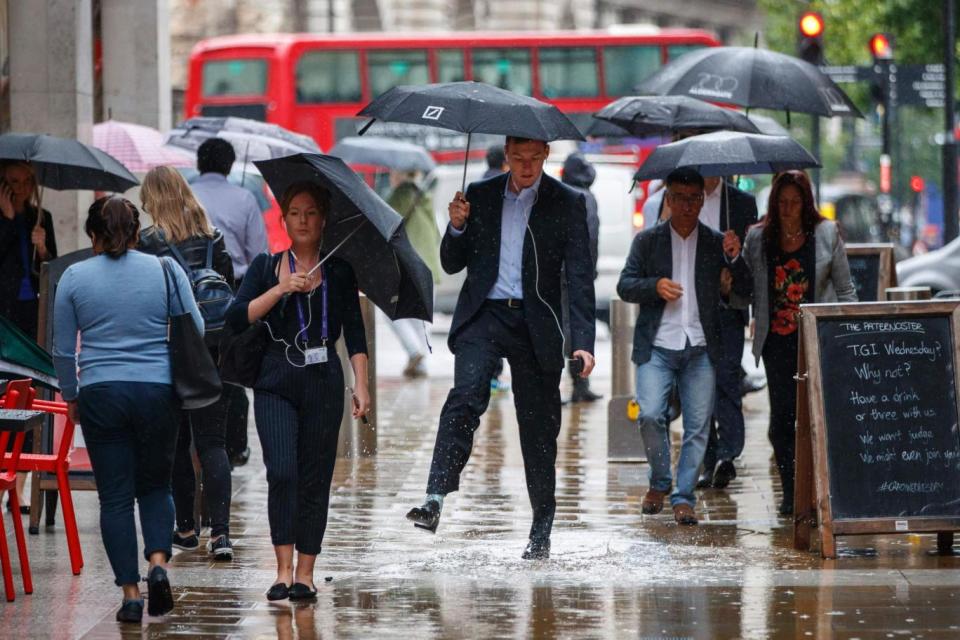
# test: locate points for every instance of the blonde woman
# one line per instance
(182, 231)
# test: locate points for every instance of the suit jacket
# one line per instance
(832, 281)
(651, 258)
(558, 224)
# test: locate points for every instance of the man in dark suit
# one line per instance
(727, 208)
(516, 235)
(674, 272)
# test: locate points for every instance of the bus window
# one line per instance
(677, 50)
(391, 68)
(505, 68)
(625, 67)
(234, 77)
(569, 73)
(450, 66)
(328, 76)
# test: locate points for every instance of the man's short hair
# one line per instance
(215, 155)
(521, 140)
(684, 175)
(496, 158)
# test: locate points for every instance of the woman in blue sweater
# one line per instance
(124, 400)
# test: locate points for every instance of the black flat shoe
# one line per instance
(537, 549)
(705, 481)
(159, 596)
(786, 506)
(300, 591)
(130, 611)
(24, 508)
(426, 516)
(278, 591)
(724, 474)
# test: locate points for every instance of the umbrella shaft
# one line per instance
(466, 158)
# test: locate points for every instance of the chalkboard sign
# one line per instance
(872, 270)
(882, 405)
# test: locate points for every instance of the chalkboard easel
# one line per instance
(872, 270)
(877, 448)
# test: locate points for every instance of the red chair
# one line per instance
(57, 464)
(19, 395)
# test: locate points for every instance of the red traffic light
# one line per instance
(811, 24)
(916, 184)
(881, 46)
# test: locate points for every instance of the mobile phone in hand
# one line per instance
(575, 365)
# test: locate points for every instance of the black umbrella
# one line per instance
(751, 77)
(471, 107)
(61, 163)
(658, 115)
(384, 152)
(727, 153)
(363, 230)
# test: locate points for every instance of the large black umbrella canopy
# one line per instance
(383, 152)
(659, 115)
(727, 153)
(471, 107)
(251, 139)
(363, 230)
(62, 163)
(751, 77)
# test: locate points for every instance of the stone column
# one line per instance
(51, 91)
(136, 61)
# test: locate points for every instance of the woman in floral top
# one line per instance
(796, 257)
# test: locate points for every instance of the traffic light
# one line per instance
(916, 184)
(810, 43)
(881, 47)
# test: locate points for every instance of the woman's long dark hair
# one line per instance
(809, 218)
(116, 224)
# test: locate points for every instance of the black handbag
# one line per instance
(192, 368)
(241, 355)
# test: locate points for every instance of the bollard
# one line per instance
(357, 438)
(623, 436)
(908, 293)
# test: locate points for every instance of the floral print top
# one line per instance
(791, 285)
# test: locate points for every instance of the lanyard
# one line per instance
(324, 332)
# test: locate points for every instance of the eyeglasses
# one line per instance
(689, 201)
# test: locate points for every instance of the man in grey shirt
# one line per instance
(231, 208)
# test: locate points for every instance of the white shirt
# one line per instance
(681, 318)
(710, 213)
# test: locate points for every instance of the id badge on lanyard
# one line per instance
(314, 355)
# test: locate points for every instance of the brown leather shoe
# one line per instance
(684, 514)
(652, 502)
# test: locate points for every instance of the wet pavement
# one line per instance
(613, 572)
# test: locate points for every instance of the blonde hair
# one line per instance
(167, 197)
(34, 199)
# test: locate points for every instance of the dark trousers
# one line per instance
(498, 332)
(206, 428)
(780, 361)
(727, 429)
(238, 412)
(298, 412)
(130, 429)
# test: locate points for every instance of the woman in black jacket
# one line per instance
(180, 223)
(305, 300)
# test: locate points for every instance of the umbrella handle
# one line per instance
(466, 157)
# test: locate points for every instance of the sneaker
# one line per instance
(188, 543)
(220, 548)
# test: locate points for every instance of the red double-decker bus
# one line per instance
(316, 83)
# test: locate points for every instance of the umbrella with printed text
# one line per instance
(471, 107)
(363, 230)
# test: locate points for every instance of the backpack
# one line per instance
(211, 291)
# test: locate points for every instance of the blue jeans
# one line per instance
(130, 429)
(692, 370)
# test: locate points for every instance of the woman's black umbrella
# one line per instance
(751, 77)
(363, 230)
(659, 115)
(471, 107)
(62, 163)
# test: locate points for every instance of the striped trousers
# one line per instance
(298, 412)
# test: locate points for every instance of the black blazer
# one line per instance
(651, 258)
(558, 223)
